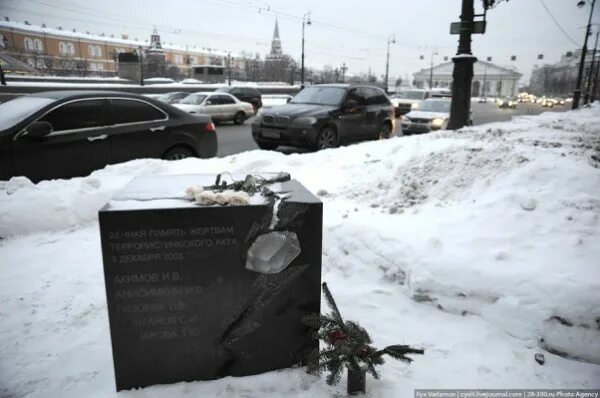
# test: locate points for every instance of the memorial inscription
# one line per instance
(191, 290)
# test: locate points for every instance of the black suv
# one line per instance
(245, 94)
(325, 116)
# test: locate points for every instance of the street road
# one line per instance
(235, 139)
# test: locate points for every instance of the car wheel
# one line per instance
(266, 146)
(178, 153)
(327, 138)
(239, 118)
(386, 131)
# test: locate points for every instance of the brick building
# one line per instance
(57, 51)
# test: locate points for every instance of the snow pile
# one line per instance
(479, 245)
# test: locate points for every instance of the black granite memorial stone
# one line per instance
(202, 292)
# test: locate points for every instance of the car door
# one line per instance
(76, 146)
(352, 120)
(228, 106)
(211, 107)
(138, 129)
(371, 124)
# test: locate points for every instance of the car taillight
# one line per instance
(210, 126)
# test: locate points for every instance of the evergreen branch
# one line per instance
(399, 352)
(313, 321)
(373, 371)
(333, 305)
(335, 367)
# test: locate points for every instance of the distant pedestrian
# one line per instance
(2, 80)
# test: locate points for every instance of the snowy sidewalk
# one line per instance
(480, 246)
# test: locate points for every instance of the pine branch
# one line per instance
(333, 305)
(373, 371)
(399, 352)
(313, 321)
(335, 367)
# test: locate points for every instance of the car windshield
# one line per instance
(415, 95)
(319, 96)
(14, 111)
(435, 106)
(193, 99)
(166, 96)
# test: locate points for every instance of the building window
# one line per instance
(66, 48)
(93, 67)
(94, 51)
(194, 60)
(37, 45)
(178, 59)
(29, 44)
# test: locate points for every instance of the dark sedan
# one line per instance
(63, 134)
(325, 116)
(244, 94)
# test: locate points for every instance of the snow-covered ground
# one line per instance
(480, 246)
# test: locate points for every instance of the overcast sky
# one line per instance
(350, 31)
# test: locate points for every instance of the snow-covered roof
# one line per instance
(109, 38)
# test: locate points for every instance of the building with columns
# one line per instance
(488, 79)
(59, 51)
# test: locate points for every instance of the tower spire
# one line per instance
(276, 32)
(276, 50)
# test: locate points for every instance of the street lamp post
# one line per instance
(595, 81)
(140, 55)
(462, 75)
(433, 52)
(577, 93)
(344, 68)
(229, 69)
(305, 21)
(588, 87)
(392, 40)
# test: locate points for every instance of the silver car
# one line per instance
(221, 107)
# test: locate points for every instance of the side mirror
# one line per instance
(38, 129)
(350, 106)
(289, 99)
(208, 102)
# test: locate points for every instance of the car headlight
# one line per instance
(306, 121)
(437, 122)
(403, 118)
(414, 105)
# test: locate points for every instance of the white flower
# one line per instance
(193, 191)
(205, 198)
(239, 198)
(221, 198)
